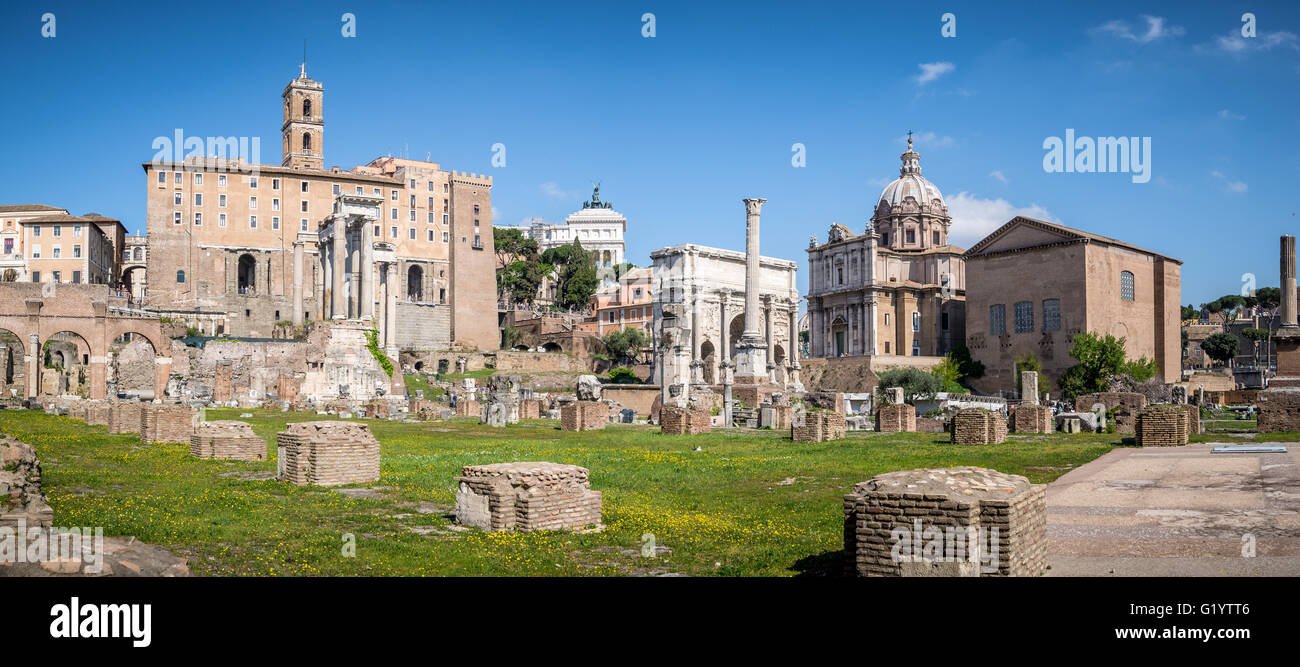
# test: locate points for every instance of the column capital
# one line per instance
(753, 205)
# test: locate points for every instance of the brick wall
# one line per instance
(975, 426)
(167, 422)
(584, 416)
(124, 417)
(1032, 419)
(327, 453)
(467, 407)
(227, 440)
(423, 326)
(683, 421)
(1161, 426)
(1193, 418)
(819, 426)
(526, 497)
(1010, 512)
(97, 412)
(1279, 410)
(530, 408)
(895, 418)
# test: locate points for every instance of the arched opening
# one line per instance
(552, 347)
(13, 372)
(734, 331)
(306, 142)
(65, 371)
(137, 254)
(306, 108)
(415, 283)
(419, 366)
(133, 281)
(778, 359)
(247, 274)
(180, 276)
(520, 348)
(839, 336)
(131, 367)
(710, 359)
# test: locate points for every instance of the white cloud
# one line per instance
(552, 189)
(880, 182)
(928, 140)
(1229, 185)
(1155, 29)
(997, 173)
(974, 217)
(932, 71)
(1228, 115)
(1233, 43)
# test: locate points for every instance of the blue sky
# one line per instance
(680, 127)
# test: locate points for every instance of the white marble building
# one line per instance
(597, 226)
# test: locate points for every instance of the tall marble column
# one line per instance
(1288, 274)
(297, 283)
(367, 289)
(390, 317)
(771, 339)
(871, 325)
(751, 350)
(338, 255)
(794, 384)
(354, 274)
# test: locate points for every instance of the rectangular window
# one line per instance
(76, 276)
(176, 199)
(252, 181)
(359, 192)
(445, 239)
(221, 180)
(57, 252)
(394, 197)
(56, 276)
(392, 214)
(998, 319)
(916, 321)
(412, 183)
(275, 204)
(36, 276)
(275, 222)
(302, 206)
(393, 232)
(410, 233)
(431, 217)
(430, 203)
(221, 200)
(1051, 314)
(275, 184)
(412, 201)
(302, 224)
(36, 252)
(198, 179)
(252, 222)
(76, 231)
(198, 198)
(445, 219)
(430, 184)
(412, 215)
(177, 180)
(336, 188)
(252, 203)
(1024, 317)
(76, 251)
(305, 186)
(162, 178)
(198, 219)
(379, 192)
(221, 220)
(176, 218)
(430, 234)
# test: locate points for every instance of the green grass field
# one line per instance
(748, 504)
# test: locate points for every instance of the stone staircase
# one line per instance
(744, 415)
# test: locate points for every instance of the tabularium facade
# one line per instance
(897, 289)
(223, 235)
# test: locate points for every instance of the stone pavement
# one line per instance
(1176, 511)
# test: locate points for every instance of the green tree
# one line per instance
(915, 382)
(1098, 357)
(623, 375)
(1221, 347)
(966, 364)
(1256, 337)
(625, 346)
(1190, 313)
(575, 272)
(1269, 297)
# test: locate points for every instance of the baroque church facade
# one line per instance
(897, 289)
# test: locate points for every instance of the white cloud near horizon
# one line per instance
(997, 173)
(1155, 29)
(552, 189)
(974, 217)
(1228, 115)
(1229, 185)
(1233, 43)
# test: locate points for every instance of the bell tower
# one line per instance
(303, 132)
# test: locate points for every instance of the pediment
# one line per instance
(1023, 232)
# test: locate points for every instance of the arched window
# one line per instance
(306, 142)
(136, 253)
(1126, 285)
(306, 108)
(180, 276)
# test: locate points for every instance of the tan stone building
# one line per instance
(223, 235)
(40, 243)
(897, 289)
(1032, 285)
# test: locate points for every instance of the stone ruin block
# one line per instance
(1071, 424)
(415, 405)
(467, 407)
(377, 409)
(588, 388)
(124, 417)
(1032, 418)
(825, 400)
(1279, 409)
(683, 421)
(227, 440)
(777, 416)
(1161, 426)
(1125, 404)
(987, 523)
(976, 426)
(584, 416)
(818, 426)
(167, 422)
(494, 414)
(896, 417)
(287, 388)
(526, 497)
(223, 377)
(20, 487)
(77, 410)
(327, 453)
(530, 408)
(1193, 418)
(98, 413)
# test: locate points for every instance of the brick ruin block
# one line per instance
(287, 388)
(98, 413)
(819, 426)
(1000, 517)
(1031, 418)
(1279, 409)
(779, 416)
(584, 416)
(467, 407)
(223, 377)
(20, 487)
(167, 422)
(683, 421)
(77, 410)
(327, 453)
(1162, 426)
(1193, 418)
(227, 440)
(526, 497)
(530, 408)
(124, 417)
(895, 418)
(976, 426)
(377, 409)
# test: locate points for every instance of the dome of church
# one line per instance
(910, 183)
